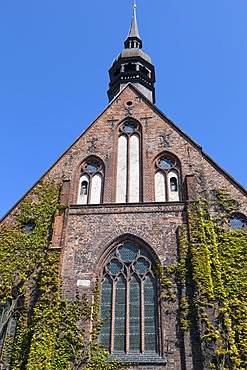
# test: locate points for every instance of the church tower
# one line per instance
(132, 65)
(148, 228)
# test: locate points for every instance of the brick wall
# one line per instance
(86, 234)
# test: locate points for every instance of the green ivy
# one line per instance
(50, 330)
(217, 277)
(211, 280)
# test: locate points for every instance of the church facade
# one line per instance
(128, 185)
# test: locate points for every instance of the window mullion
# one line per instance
(113, 317)
(142, 318)
(128, 169)
(89, 189)
(127, 316)
(166, 187)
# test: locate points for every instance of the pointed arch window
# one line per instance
(128, 302)
(128, 163)
(167, 178)
(9, 313)
(91, 182)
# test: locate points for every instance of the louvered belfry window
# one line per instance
(128, 302)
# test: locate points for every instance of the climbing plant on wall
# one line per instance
(217, 277)
(40, 329)
(210, 280)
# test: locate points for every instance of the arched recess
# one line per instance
(167, 178)
(129, 162)
(129, 304)
(91, 181)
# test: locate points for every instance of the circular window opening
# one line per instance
(29, 227)
(129, 103)
(237, 222)
(166, 163)
(92, 167)
(129, 128)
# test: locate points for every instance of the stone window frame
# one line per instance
(120, 132)
(175, 167)
(142, 356)
(82, 171)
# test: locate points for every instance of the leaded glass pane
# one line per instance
(3, 316)
(120, 315)
(166, 163)
(128, 253)
(105, 312)
(114, 267)
(8, 322)
(29, 227)
(92, 167)
(128, 270)
(134, 314)
(237, 222)
(149, 314)
(142, 266)
(129, 128)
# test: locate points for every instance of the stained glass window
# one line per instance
(128, 302)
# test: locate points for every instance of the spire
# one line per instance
(133, 66)
(133, 39)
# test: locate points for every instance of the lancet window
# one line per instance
(128, 163)
(8, 321)
(128, 302)
(167, 178)
(91, 182)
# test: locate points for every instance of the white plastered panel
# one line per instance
(121, 170)
(160, 187)
(134, 170)
(173, 196)
(82, 198)
(96, 187)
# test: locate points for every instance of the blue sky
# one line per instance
(54, 61)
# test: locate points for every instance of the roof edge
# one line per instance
(160, 113)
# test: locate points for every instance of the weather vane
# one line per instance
(134, 6)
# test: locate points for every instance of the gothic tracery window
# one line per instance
(91, 182)
(128, 302)
(128, 163)
(166, 178)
